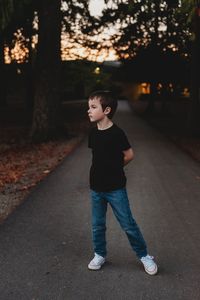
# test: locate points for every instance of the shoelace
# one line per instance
(96, 259)
(147, 260)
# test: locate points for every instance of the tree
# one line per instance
(77, 24)
(194, 21)
(141, 23)
(46, 122)
(13, 15)
(153, 29)
(46, 116)
(6, 11)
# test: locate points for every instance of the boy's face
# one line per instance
(95, 111)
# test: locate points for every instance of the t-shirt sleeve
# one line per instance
(124, 143)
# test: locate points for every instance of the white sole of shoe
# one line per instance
(95, 268)
(154, 272)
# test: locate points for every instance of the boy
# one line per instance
(111, 151)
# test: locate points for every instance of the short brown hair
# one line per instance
(107, 99)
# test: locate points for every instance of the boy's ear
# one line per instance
(107, 110)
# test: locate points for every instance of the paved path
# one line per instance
(45, 245)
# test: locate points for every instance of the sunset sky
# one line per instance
(96, 7)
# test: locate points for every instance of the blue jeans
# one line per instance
(119, 202)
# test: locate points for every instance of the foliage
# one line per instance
(13, 11)
(188, 8)
(141, 23)
(20, 24)
(6, 11)
(80, 77)
(77, 24)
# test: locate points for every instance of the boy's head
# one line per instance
(107, 100)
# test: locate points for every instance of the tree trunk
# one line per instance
(3, 88)
(46, 121)
(29, 71)
(194, 114)
(151, 104)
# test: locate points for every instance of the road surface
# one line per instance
(45, 245)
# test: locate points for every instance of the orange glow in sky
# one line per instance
(95, 7)
(69, 50)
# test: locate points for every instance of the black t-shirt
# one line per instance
(106, 172)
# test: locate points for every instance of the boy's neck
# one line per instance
(104, 124)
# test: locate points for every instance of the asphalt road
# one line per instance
(45, 245)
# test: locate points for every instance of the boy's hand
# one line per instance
(128, 156)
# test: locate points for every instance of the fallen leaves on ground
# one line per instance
(25, 166)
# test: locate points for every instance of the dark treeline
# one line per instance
(43, 63)
(158, 42)
(148, 34)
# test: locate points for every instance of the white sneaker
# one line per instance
(149, 264)
(96, 262)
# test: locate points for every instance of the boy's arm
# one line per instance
(128, 156)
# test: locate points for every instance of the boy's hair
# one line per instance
(107, 99)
